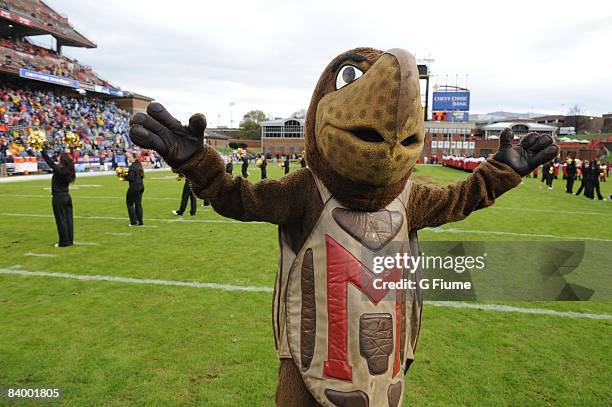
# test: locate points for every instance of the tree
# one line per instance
(298, 114)
(250, 129)
(255, 115)
(249, 126)
(576, 119)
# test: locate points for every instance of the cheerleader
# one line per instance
(63, 175)
(133, 197)
(187, 195)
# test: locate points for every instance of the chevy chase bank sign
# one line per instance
(450, 101)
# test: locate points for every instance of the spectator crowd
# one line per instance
(22, 54)
(102, 126)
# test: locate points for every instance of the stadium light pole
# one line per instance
(231, 105)
(424, 74)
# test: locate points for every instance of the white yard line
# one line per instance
(77, 196)
(172, 220)
(506, 308)
(85, 244)
(74, 187)
(226, 287)
(17, 270)
(150, 198)
(495, 232)
(553, 211)
(39, 177)
(435, 230)
(30, 254)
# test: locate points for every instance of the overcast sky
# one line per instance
(198, 56)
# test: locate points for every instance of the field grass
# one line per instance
(114, 343)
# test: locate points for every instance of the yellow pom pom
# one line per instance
(37, 140)
(121, 173)
(72, 140)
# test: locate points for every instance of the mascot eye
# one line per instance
(347, 74)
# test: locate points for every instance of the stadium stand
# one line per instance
(38, 18)
(41, 89)
(16, 54)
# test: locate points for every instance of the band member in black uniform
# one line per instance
(63, 176)
(571, 175)
(188, 195)
(586, 183)
(547, 174)
(133, 198)
(245, 166)
(263, 167)
(544, 172)
(229, 165)
(596, 168)
(303, 160)
(286, 165)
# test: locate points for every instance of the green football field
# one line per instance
(122, 343)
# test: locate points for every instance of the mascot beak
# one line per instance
(407, 71)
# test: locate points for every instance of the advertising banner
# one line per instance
(458, 116)
(451, 101)
(45, 77)
(15, 17)
(108, 91)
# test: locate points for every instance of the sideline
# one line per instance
(39, 177)
(16, 270)
(435, 230)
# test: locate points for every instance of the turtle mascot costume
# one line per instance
(340, 341)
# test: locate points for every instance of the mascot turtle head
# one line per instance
(364, 127)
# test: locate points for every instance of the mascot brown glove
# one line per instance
(158, 130)
(533, 150)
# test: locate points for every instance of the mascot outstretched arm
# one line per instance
(341, 342)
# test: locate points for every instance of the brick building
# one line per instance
(282, 136)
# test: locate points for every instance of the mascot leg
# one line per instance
(291, 390)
